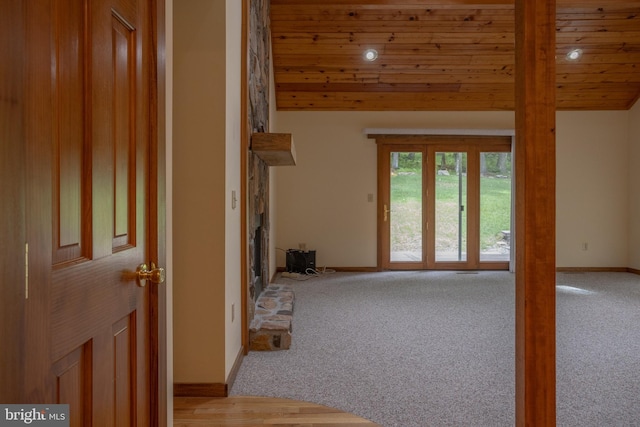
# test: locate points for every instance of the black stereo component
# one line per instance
(300, 261)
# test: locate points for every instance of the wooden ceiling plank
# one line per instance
(597, 68)
(310, 40)
(394, 4)
(368, 87)
(453, 66)
(607, 90)
(604, 48)
(347, 14)
(337, 62)
(566, 78)
(440, 104)
(601, 26)
(444, 106)
(632, 101)
(399, 106)
(395, 78)
(598, 37)
(601, 91)
(606, 58)
(396, 49)
(423, 97)
(306, 27)
(484, 25)
(602, 8)
(445, 92)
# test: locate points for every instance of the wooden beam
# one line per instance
(535, 213)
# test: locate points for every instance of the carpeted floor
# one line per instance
(421, 349)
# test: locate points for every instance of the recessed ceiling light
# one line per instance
(371, 55)
(574, 54)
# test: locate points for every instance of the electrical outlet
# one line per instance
(370, 197)
(302, 246)
(233, 312)
(585, 246)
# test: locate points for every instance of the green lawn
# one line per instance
(495, 208)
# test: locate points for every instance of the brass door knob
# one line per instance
(154, 275)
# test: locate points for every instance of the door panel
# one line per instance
(71, 382)
(405, 207)
(495, 206)
(91, 321)
(450, 225)
(401, 220)
(70, 188)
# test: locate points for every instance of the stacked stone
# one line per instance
(270, 329)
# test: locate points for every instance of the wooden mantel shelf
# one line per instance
(276, 149)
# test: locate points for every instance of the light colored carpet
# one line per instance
(433, 348)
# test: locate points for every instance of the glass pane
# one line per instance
(451, 203)
(495, 206)
(406, 207)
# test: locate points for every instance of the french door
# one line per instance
(444, 203)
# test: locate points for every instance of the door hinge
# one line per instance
(26, 271)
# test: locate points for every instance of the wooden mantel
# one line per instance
(275, 149)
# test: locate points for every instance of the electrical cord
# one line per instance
(315, 272)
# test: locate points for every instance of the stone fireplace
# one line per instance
(270, 308)
(257, 170)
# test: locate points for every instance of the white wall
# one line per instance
(634, 187)
(592, 189)
(233, 283)
(323, 200)
(206, 159)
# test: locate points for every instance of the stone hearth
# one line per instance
(270, 329)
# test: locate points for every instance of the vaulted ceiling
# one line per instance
(445, 54)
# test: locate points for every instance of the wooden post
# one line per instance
(535, 213)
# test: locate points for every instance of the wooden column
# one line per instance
(535, 213)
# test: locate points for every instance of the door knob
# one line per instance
(154, 275)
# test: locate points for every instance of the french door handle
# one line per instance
(386, 213)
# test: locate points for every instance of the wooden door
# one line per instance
(89, 340)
